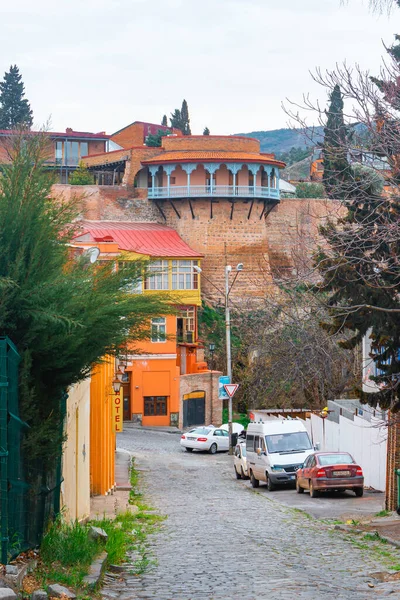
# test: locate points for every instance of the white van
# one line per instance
(275, 450)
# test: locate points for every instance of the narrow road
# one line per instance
(223, 540)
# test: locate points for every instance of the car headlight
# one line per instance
(278, 469)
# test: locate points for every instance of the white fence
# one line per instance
(366, 441)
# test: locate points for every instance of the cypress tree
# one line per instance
(15, 109)
(164, 121)
(176, 119)
(185, 119)
(206, 131)
(335, 148)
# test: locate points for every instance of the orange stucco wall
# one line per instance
(152, 376)
(102, 434)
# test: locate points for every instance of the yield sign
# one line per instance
(231, 388)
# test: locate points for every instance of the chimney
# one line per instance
(69, 130)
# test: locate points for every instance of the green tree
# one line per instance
(310, 190)
(164, 121)
(335, 147)
(63, 314)
(154, 140)
(176, 119)
(206, 131)
(14, 108)
(185, 119)
(81, 176)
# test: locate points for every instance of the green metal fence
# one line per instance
(29, 495)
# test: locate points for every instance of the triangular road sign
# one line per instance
(231, 388)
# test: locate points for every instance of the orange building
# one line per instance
(152, 379)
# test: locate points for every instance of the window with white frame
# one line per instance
(158, 329)
(133, 284)
(186, 324)
(158, 275)
(184, 277)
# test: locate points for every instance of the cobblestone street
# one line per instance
(222, 540)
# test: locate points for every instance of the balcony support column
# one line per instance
(168, 169)
(153, 170)
(254, 168)
(189, 168)
(234, 168)
(212, 168)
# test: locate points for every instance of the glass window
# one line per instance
(186, 325)
(288, 442)
(249, 442)
(158, 329)
(184, 277)
(256, 442)
(72, 153)
(84, 149)
(158, 275)
(133, 285)
(155, 406)
(335, 459)
(59, 152)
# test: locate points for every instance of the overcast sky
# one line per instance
(97, 65)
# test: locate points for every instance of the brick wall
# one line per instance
(211, 142)
(133, 135)
(207, 382)
(392, 461)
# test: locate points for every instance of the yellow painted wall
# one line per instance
(102, 434)
(75, 489)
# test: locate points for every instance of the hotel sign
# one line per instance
(118, 415)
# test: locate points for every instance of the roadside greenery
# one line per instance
(81, 176)
(310, 190)
(67, 550)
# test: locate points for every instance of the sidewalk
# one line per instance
(130, 425)
(118, 501)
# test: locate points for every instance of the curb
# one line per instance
(96, 570)
(349, 529)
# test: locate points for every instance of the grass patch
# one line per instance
(383, 513)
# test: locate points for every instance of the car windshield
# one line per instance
(297, 441)
(200, 430)
(335, 459)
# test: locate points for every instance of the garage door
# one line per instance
(194, 409)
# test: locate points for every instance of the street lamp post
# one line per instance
(228, 270)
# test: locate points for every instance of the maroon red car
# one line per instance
(330, 471)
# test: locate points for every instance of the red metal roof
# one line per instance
(56, 134)
(151, 239)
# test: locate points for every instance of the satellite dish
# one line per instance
(93, 254)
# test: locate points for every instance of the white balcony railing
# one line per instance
(219, 191)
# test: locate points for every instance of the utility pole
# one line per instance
(228, 269)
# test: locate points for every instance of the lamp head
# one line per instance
(239, 267)
(228, 268)
(197, 269)
(116, 385)
(212, 347)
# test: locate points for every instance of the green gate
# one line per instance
(29, 496)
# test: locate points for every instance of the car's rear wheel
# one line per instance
(270, 486)
(313, 491)
(299, 489)
(238, 475)
(213, 449)
(359, 492)
(189, 449)
(254, 482)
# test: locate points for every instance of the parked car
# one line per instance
(240, 462)
(330, 471)
(275, 450)
(209, 439)
(236, 427)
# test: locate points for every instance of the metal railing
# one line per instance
(219, 191)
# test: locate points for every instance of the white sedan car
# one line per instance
(240, 462)
(209, 439)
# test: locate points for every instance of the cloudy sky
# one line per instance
(97, 65)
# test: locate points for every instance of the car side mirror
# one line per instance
(258, 451)
(317, 446)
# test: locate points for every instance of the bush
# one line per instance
(310, 190)
(82, 176)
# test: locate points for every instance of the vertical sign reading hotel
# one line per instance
(118, 411)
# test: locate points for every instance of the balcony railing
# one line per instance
(217, 191)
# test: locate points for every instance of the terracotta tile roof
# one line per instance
(213, 156)
(151, 239)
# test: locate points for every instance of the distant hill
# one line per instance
(298, 171)
(282, 140)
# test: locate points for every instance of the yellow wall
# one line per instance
(102, 434)
(75, 489)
